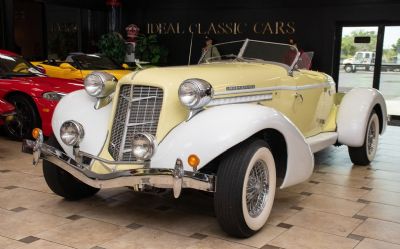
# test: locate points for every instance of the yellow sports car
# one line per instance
(78, 65)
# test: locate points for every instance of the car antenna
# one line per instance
(190, 48)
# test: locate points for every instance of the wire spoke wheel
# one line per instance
(245, 188)
(257, 189)
(372, 138)
(366, 153)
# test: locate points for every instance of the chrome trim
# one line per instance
(152, 145)
(275, 88)
(102, 102)
(204, 92)
(296, 59)
(138, 109)
(240, 99)
(243, 48)
(79, 129)
(174, 178)
(193, 113)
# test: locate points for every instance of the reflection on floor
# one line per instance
(341, 206)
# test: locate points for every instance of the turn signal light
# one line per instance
(36, 133)
(193, 161)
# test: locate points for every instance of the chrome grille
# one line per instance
(138, 110)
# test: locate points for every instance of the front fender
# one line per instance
(79, 106)
(215, 130)
(354, 112)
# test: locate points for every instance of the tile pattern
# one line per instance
(341, 206)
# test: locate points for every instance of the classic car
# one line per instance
(33, 94)
(79, 65)
(7, 111)
(238, 125)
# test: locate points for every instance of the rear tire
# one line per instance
(61, 182)
(245, 189)
(366, 153)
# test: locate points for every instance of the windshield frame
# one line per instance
(242, 50)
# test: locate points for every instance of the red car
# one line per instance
(33, 94)
(7, 111)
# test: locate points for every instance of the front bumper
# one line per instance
(173, 178)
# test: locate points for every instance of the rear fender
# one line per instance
(354, 112)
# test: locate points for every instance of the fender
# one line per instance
(79, 106)
(354, 112)
(215, 130)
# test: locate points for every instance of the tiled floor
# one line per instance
(341, 206)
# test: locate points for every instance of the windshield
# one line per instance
(95, 62)
(15, 66)
(251, 50)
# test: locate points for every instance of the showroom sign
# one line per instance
(223, 28)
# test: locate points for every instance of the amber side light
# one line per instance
(36, 133)
(193, 161)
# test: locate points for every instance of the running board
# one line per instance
(321, 141)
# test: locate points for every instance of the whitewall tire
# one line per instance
(246, 184)
(365, 154)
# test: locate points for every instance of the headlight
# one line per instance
(143, 146)
(54, 96)
(71, 133)
(100, 84)
(195, 93)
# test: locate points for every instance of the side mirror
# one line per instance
(125, 66)
(67, 66)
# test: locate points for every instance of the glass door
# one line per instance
(357, 57)
(389, 83)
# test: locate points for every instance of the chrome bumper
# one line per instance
(175, 178)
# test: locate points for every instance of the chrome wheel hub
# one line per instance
(257, 189)
(371, 138)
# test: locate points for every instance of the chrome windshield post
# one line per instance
(292, 67)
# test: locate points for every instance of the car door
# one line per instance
(312, 102)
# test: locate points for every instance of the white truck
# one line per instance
(360, 61)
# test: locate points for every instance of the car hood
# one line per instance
(219, 75)
(36, 85)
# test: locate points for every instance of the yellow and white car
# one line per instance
(79, 65)
(231, 125)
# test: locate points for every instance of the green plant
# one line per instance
(149, 49)
(113, 46)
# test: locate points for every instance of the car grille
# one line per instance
(138, 110)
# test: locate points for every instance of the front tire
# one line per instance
(245, 189)
(366, 153)
(348, 68)
(25, 120)
(61, 182)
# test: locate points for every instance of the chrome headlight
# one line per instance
(54, 96)
(143, 146)
(100, 84)
(195, 93)
(71, 133)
